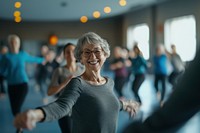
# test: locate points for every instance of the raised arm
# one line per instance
(52, 90)
(53, 111)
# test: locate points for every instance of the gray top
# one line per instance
(61, 73)
(95, 107)
(177, 63)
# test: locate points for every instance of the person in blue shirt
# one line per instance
(13, 67)
(160, 70)
(139, 66)
(4, 50)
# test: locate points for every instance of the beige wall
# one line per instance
(110, 29)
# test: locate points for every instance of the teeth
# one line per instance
(92, 62)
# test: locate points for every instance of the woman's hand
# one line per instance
(28, 119)
(131, 106)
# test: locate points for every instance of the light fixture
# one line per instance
(107, 9)
(17, 13)
(122, 3)
(53, 39)
(18, 19)
(18, 4)
(83, 19)
(96, 14)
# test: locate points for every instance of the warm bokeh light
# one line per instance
(17, 13)
(18, 4)
(122, 2)
(107, 9)
(96, 14)
(18, 19)
(53, 39)
(83, 19)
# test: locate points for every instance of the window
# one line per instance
(139, 34)
(181, 31)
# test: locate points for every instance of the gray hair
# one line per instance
(91, 38)
(13, 36)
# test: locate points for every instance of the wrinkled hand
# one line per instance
(26, 120)
(131, 106)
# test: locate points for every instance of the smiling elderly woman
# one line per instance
(90, 96)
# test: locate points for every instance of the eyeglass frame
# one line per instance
(87, 53)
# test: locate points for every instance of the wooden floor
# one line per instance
(147, 93)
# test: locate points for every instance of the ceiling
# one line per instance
(67, 10)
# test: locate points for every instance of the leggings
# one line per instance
(2, 87)
(17, 94)
(160, 78)
(139, 79)
(119, 84)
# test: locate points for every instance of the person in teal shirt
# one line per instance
(13, 67)
(139, 67)
(160, 71)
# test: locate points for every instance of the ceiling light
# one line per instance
(18, 19)
(83, 19)
(107, 9)
(53, 39)
(122, 2)
(96, 14)
(18, 4)
(17, 13)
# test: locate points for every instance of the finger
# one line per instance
(129, 110)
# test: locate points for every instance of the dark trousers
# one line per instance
(174, 77)
(2, 87)
(17, 95)
(139, 79)
(65, 124)
(160, 78)
(119, 84)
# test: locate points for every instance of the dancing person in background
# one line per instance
(177, 65)
(61, 77)
(160, 71)
(40, 75)
(127, 60)
(3, 51)
(182, 105)
(118, 65)
(139, 66)
(90, 96)
(14, 66)
(45, 72)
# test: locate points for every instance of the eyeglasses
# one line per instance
(88, 53)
